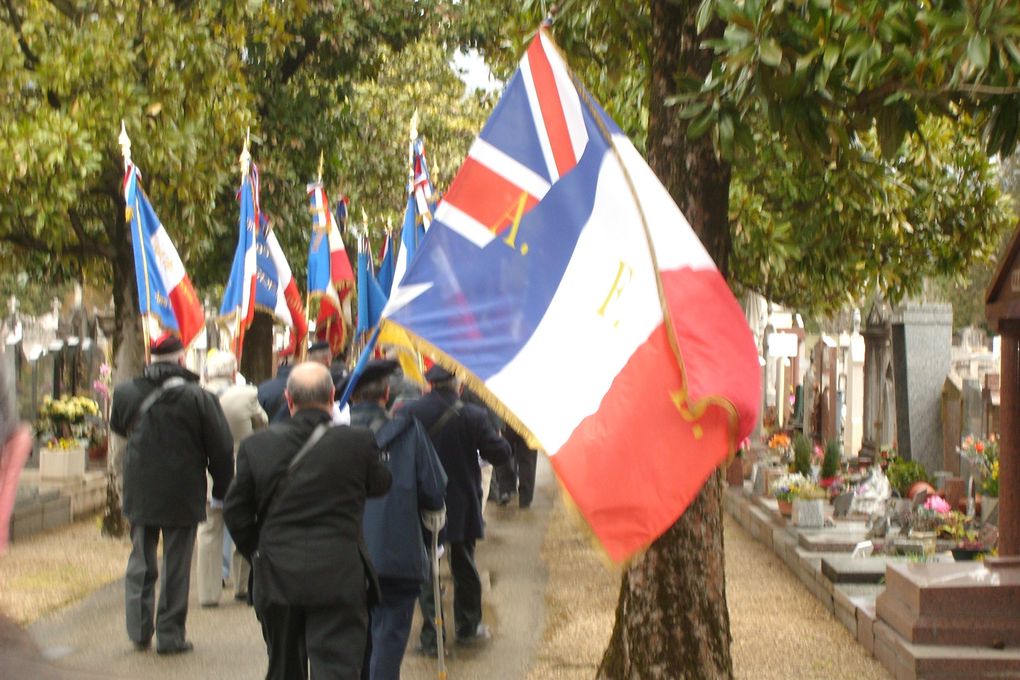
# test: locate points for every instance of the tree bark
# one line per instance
(128, 349)
(672, 620)
(257, 355)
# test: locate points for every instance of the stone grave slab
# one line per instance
(844, 569)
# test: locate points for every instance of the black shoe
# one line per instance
(142, 646)
(481, 634)
(180, 649)
(431, 652)
(504, 499)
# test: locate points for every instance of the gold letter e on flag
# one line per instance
(624, 274)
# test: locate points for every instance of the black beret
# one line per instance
(318, 345)
(374, 370)
(438, 374)
(166, 344)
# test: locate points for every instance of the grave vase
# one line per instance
(785, 507)
(62, 463)
(988, 504)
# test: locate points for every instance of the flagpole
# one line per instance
(125, 149)
(245, 161)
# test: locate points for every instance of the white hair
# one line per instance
(220, 365)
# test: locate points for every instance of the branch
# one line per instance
(30, 59)
(87, 245)
(67, 9)
(291, 65)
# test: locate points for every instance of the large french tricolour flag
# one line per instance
(562, 281)
(166, 297)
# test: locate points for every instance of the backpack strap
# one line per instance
(151, 399)
(453, 410)
(275, 491)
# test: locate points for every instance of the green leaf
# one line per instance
(700, 125)
(979, 51)
(770, 53)
(704, 15)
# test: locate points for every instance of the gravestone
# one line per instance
(876, 334)
(922, 337)
(952, 418)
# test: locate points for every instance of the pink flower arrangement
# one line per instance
(937, 504)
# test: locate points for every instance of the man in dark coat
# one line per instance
(271, 391)
(393, 530)
(460, 433)
(313, 582)
(175, 431)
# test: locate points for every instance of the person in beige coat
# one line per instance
(244, 415)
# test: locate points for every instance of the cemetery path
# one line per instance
(549, 597)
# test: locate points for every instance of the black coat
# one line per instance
(312, 538)
(170, 447)
(459, 442)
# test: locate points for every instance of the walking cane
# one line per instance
(434, 521)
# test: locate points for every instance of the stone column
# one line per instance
(1009, 448)
(876, 348)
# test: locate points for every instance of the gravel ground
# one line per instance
(780, 631)
(46, 572)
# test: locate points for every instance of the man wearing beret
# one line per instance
(460, 433)
(174, 431)
(393, 524)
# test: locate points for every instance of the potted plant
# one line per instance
(63, 426)
(903, 474)
(802, 455)
(926, 521)
(809, 506)
(785, 489)
(831, 463)
(957, 527)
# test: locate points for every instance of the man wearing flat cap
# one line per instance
(393, 524)
(460, 433)
(174, 431)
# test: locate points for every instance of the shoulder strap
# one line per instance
(275, 491)
(453, 410)
(151, 398)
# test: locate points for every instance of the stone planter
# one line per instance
(735, 472)
(809, 513)
(61, 463)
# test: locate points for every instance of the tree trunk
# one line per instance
(257, 355)
(672, 620)
(128, 350)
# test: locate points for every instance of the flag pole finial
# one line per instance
(320, 166)
(245, 158)
(413, 133)
(125, 144)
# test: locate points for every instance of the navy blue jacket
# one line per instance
(393, 529)
(466, 435)
(271, 391)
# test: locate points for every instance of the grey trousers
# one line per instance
(140, 583)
